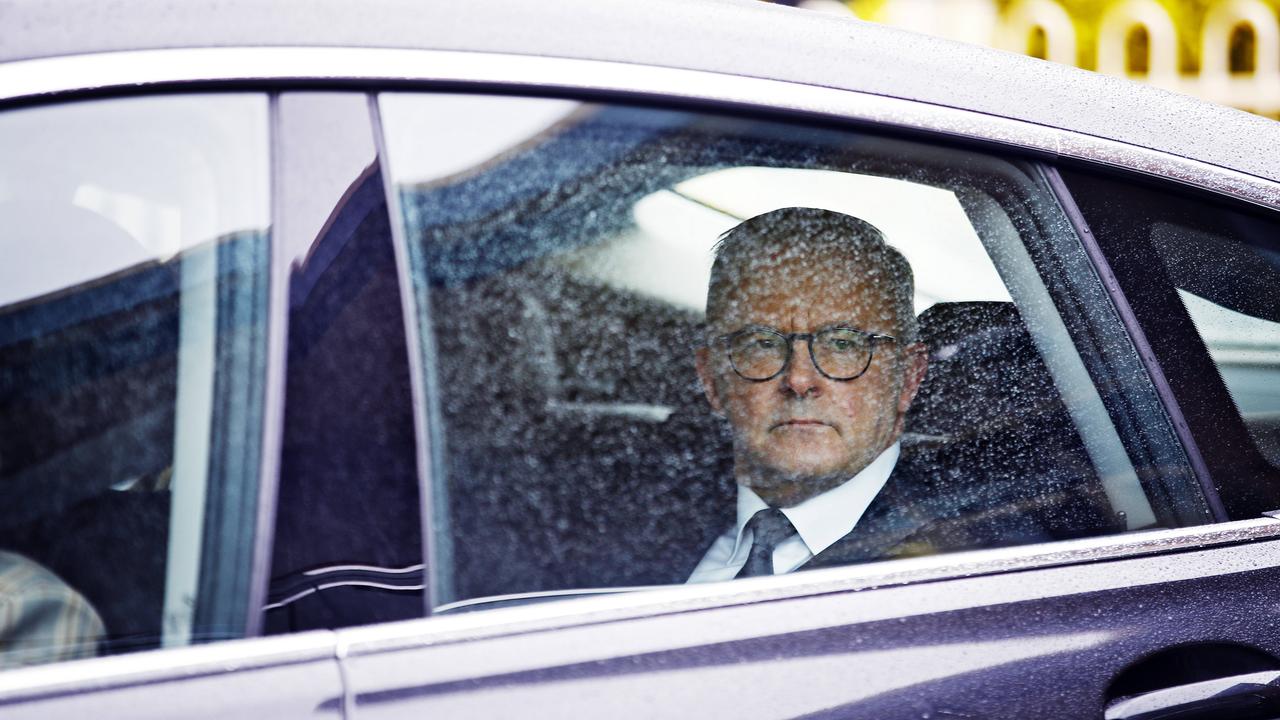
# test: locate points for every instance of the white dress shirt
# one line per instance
(819, 521)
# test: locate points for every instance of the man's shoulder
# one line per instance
(22, 575)
(958, 509)
(42, 618)
(925, 509)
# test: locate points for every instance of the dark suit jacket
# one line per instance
(919, 512)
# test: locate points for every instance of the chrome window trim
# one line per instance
(142, 668)
(680, 599)
(47, 78)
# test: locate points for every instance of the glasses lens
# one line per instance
(842, 354)
(759, 354)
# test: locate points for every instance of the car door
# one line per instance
(554, 246)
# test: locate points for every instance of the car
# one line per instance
(347, 365)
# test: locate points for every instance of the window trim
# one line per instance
(433, 502)
(106, 673)
(276, 376)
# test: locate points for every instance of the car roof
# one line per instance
(739, 37)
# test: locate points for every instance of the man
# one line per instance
(812, 358)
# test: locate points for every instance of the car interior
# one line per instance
(88, 441)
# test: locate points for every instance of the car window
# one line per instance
(1203, 277)
(132, 324)
(595, 417)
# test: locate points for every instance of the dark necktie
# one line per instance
(768, 528)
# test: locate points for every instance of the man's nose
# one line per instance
(801, 376)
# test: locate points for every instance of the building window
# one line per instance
(1242, 52)
(1137, 50)
(1038, 43)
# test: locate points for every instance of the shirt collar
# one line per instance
(825, 518)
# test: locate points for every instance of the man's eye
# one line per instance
(843, 344)
(765, 343)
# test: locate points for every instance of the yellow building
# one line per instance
(1225, 51)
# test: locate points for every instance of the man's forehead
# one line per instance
(789, 274)
(771, 298)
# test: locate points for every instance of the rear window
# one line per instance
(132, 334)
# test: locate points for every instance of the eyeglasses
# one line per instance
(838, 353)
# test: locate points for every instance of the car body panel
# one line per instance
(751, 39)
(49, 78)
(971, 646)
(289, 677)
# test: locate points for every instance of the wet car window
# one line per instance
(132, 328)
(597, 420)
(1204, 278)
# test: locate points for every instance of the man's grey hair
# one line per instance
(802, 232)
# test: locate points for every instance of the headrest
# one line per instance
(984, 376)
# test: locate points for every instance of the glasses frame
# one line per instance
(873, 339)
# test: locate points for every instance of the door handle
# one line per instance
(1252, 696)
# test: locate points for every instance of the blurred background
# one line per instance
(1224, 51)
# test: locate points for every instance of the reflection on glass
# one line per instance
(132, 303)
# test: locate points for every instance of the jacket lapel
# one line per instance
(885, 529)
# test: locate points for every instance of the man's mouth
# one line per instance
(800, 424)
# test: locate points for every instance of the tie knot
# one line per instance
(769, 527)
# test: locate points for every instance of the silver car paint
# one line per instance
(734, 37)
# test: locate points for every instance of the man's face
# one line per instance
(801, 433)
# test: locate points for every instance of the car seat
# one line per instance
(991, 428)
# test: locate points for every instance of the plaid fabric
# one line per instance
(41, 618)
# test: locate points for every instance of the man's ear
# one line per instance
(915, 365)
(702, 360)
